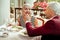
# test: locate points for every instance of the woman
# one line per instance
(51, 29)
(26, 15)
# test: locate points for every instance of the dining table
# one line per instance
(16, 35)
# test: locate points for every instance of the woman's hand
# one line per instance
(28, 17)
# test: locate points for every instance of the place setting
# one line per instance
(23, 32)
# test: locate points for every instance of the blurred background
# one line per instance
(7, 8)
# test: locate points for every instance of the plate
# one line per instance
(3, 34)
(15, 28)
(23, 32)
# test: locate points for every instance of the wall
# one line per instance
(16, 3)
(4, 11)
(30, 2)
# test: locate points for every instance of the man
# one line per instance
(51, 29)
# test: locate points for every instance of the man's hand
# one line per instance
(41, 20)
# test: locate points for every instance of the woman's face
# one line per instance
(26, 10)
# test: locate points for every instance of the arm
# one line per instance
(19, 21)
(45, 29)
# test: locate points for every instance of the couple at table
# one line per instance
(51, 29)
(26, 15)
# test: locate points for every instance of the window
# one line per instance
(53, 0)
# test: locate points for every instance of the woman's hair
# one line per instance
(55, 6)
(27, 5)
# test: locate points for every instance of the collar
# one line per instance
(52, 17)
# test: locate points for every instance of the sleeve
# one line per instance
(43, 30)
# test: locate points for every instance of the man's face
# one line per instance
(49, 12)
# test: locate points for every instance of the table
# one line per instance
(16, 36)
